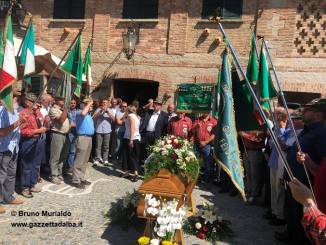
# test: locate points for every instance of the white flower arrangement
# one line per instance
(169, 219)
(151, 205)
(174, 154)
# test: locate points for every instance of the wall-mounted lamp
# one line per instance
(129, 41)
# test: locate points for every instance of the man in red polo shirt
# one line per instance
(180, 126)
(203, 130)
(32, 146)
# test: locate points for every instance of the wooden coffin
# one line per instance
(164, 185)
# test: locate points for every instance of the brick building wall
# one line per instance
(173, 48)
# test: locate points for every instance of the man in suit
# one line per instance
(154, 125)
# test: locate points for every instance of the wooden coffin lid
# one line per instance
(164, 184)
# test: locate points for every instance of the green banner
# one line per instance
(194, 97)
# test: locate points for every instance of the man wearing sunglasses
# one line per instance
(312, 140)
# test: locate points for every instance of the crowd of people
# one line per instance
(47, 138)
(268, 183)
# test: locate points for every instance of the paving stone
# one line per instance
(88, 206)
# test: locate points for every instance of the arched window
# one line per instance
(228, 9)
(69, 9)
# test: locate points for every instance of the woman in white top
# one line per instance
(131, 144)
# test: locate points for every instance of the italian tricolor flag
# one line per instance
(88, 66)
(9, 69)
(26, 56)
(87, 70)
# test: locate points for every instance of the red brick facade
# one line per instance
(173, 48)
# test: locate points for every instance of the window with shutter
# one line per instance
(228, 9)
(140, 9)
(69, 9)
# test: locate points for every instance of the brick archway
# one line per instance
(133, 73)
(137, 74)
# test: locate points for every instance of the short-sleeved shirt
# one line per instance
(119, 115)
(203, 130)
(180, 127)
(54, 113)
(10, 141)
(103, 123)
(84, 124)
(72, 115)
(34, 120)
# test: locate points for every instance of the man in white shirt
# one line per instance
(113, 109)
(154, 125)
(46, 101)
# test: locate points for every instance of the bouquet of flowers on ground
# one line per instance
(122, 212)
(207, 225)
(169, 219)
(174, 154)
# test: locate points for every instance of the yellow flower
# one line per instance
(165, 242)
(143, 240)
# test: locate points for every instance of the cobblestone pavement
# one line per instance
(88, 207)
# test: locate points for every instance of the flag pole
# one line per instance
(21, 44)
(88, 86)
(261, 111)
(270, 108)
(282, 95)
(288, 113)
(56, 68)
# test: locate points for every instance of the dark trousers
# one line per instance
(45, 165)
(8, 165)
(293, 213)
(148, 139)
(113, 144)
(205, 152)
(72, 150)
(31, 154)
(118, 148)
(130, 155)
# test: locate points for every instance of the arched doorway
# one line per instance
(131, 89)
